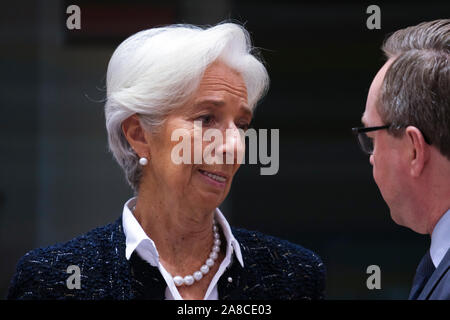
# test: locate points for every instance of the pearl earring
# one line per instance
(143, 161)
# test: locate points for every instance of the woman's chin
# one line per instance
(209, 197)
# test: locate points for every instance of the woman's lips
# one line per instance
(216, 179)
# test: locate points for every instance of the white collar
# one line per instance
(440, 239)
(137, 239)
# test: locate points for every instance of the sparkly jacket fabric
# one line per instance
(273, 269)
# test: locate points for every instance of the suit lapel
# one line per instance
(435, 277)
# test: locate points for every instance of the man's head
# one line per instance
(411, 95)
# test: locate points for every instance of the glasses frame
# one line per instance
(368, 129)
(362, 130)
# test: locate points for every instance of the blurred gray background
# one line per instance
(58, 179)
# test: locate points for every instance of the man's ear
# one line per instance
(135, 135)
(419, 153)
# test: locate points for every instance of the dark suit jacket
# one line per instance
(438, 286)
(273, 269)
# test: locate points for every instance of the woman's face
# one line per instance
(219, 103)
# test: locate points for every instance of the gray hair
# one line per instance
(155, 71)
(416, 87)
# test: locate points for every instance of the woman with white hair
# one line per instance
(172, 241)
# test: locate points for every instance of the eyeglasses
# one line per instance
(365, 142)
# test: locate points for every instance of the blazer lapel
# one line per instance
(435, 277)
(135, 279)
(232, 282)
(122, 270)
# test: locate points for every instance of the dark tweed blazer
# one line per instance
(273, 269)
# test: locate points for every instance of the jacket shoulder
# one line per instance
(283, 264)
(255, 243)
(42, 273)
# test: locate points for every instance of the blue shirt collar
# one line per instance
(440, 239)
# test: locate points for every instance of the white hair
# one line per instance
(155, 71)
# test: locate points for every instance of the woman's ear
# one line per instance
(419, 150)
(135, 135)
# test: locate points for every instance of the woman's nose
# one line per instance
(233, 146)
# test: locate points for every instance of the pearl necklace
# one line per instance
(204, 269)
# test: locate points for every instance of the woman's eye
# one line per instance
(244, 126)
(206, 119)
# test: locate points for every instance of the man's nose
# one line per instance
(371, 159)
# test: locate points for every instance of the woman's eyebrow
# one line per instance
(219, 103)
(209, 101)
